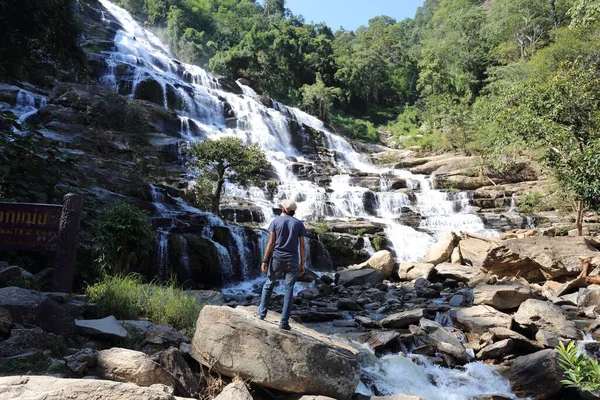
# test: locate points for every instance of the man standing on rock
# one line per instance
(286, 236)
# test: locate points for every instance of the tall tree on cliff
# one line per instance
(226, 159)
(275, 8)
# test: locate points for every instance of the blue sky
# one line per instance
(352, 13)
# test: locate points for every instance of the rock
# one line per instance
(7, 273)
(521, 343)
(412, 271)
(442, 250)
(536, 375)
(570, 286)
(381, 341)
(463, 273)
(310, 397)
(457, 300)
(235, 391)
(456, 258)
(106, 328)
(25, 340)
(51, 388)
(541, 315)
(403, 319)
(497, 350)
(504, 296)
(124, 365)
(164, 335)
(547, 339)
(432, 333)
(230, 341)
(82, 360)
(479, 319)
(211, 297)
(43, 279)
(58, 296)
(5, 323)
(359, 277)
(30, 307)
(535, 259)
(381, 261)
(173, 361)
(350, 305)
(365, 322)
(589, 296)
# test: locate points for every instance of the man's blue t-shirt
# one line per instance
(288, 231)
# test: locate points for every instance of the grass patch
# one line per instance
(35, 365)
(128, 297)
(379, 242)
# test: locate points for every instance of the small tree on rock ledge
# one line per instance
(226, 159)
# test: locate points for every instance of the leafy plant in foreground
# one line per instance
(581, 371)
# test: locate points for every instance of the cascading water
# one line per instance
(206, 112)
(27, 104)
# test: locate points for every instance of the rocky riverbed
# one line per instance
(506, 303)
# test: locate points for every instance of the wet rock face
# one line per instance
(240, 214)
(536, 375)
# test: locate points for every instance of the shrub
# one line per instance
(379, 242)
(121, 296)
(581, 371)
(128, 297)
(125, 236)
(355, 128)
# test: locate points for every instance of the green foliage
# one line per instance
(354, 128)
(227, 159)
(33, 365)
(379, 242)
(34, 44)
(530, 202)
(128, 297)
(318, 99)
(581, 371)
(31, 167)
(584, 12)
(124, 237)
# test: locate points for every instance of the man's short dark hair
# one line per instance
(289, 212)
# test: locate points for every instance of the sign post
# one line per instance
(45, 228)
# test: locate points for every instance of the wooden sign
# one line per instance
(45, 228)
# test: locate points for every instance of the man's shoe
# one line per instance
(285, 327)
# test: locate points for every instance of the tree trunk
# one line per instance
(217, 196)
(579, 220)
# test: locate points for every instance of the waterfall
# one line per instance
(368, 246)
(201, 107)
(27, 104)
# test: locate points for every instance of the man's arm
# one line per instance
(302, 256)
(270, 246)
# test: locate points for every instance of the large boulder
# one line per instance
(381, 261)
(535, 258)
(235, 342)
(479, 319)
(359, 277)
(442, 250)
(51, 388)
(22, 341)
(125, 365)
(106, 328)
(403, 319)
(536, 376)
(408, 271)
(541, 315)
(463, 273)
(33, 308)
(505, 296)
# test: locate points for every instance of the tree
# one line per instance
(318, 99)
(228, 159)
(584, 12)
(275, 8)
(125, 236)
(559, 115)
